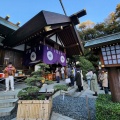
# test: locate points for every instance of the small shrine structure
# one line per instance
(108, 49)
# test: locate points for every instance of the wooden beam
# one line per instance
(48, 39)
(73, 45)
(56, 38)
(61, 41)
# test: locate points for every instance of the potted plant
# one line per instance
(32, 104)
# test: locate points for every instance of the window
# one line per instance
(106, 62)
(111, 55)
(105, 57)
(104, 53)
(103, 49)
(110, 61)
(108, 52)
(107, 48)
(114, 61)
(119, 61)
(118, 51)
(113, 52)
(112, 47)
(118, 56)
(117, 46)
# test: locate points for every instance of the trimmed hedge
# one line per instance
(106, 109)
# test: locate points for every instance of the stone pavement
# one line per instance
(88, 93)
(56, 116)
(84, 93)
(50, 88)
(71, 90)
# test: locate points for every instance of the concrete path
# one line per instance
(56, 116)
(50, 88)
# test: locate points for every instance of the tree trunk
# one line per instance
(114, 79)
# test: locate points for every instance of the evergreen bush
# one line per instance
(49, 82)
(38, 76)
(85, 65)
(106, 109)
(61, 87)
(25, 93)
(35, 83)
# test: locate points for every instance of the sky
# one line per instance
(23, 10)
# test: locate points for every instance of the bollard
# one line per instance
(63, 96)
(89, 117)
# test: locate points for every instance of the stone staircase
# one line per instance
(8, 104)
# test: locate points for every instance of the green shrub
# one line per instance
(85, 65)
(49, 82)
(61, 87)
(35, 83)
(106, 109)
(25, 92)
(33, 78)
(41, 97)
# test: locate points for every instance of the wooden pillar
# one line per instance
(101, 57)
(114, 78)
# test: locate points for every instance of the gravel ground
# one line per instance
(74, 107)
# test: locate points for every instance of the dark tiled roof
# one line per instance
(103, 40)
(68, 35)
(7, 27)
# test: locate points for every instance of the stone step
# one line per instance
(8, 103)
(4, 97)
(14, 118)
(9, 95)
(72, 90)
(6, 111)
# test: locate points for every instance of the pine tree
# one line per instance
(37, 76)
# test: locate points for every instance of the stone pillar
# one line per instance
(114, 79)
